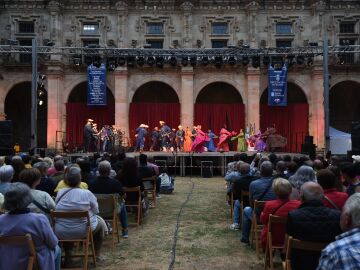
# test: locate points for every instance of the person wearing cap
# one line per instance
(180, 134)
(165, 131)
(141, 132)
(88, 135)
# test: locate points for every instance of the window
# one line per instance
(219, 28)
(283, 28)
(219, 43)
(283, 43)
(155, 28)
(25, 58)
(26, 27)
(156, 44)
(90, 28)
(347, 27)
(347, 58)
(90, 42)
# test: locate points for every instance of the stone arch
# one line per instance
(344, 104)
(296, 94)
(232, 95)
(155, 92)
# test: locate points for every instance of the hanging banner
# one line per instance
(277, 88)
(96, 94)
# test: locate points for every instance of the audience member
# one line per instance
(291, 169)
(118, 165)
(280, 169)
(338, 183)
(47, 184)
(59, 173)
(86, 175)
(318, 165)
(332, 198)
(343, 254)
(303, 174)
(279, 207)
(64, 183)
(27, 161)
(145, 170)
(6, 175)
(312, 221)
(349, 173)
(259, 190)
(18, 166)
(106, 185)
(231, 166)
(20, 221)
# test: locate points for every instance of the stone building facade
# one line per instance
(180, 24)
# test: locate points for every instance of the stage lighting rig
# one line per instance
(121, 61)
(77, 60)
(266, 60)
(232, 61)
(205, 60)
(300, 60)
(41, 91)
(150, 61)
(130, 61)
(184, 61)
(173, 61)
(245, 60)
(255, 60)
(193, 61)
(111, 64)
(140, 61)
(159, 61)
(218, 61)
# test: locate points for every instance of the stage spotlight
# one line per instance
(111, 64)
(159, 61)
(130, 61)
(184, 61)
(41, 102)
(77, 60)
(310, 61)
(341, 59)
(218, 61)
(193, 61)
(150, 61)
(290, 60)
(300, 60)
(42, 77)
(173, 61)
(205, 61)
(140, 61)
(232, 61)
(245, 60)
(88, 60)
(121, 61)
(266, 60)
(255, 61)
(97, 61)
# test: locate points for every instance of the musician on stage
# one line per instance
(172, 139)
(155, 136)
(141, 132)
(96, 137)
(88, 135)
(180, 135)
(164, 133)
(105, 137)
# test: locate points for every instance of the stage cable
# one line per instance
(176, 232)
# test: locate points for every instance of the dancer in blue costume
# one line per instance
(210, 144)
(141, 132)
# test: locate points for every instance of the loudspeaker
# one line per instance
(6, 127)
(308, 149)
(6, 135)
(6, 151)
(6, 140)
(355, 136)
(207, 169)
(309, 140)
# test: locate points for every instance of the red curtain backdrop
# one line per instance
(214, 116)
(150, 114)
(290, 121)
(78, 113)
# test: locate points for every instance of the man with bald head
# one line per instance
(314, 222)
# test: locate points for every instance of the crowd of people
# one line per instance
(319, 198)
(32, 187)
(197, 140)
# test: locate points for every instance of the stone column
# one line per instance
(121, 99)
(316, 107)
(55, 86)
(187, 96)
(252, 105)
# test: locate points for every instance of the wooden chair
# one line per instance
(24, 240)
(302, 245)
(231, 205)
(109, 211)
(85, 241)
(273, 220)
(150, 189)
(256, 228)
(137, 204)
(242, 196)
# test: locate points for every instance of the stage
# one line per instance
(188, 164)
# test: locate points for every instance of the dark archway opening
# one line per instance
(18, 110)
(77, 112)
(152, 102)
(344, 105)
(291, 121)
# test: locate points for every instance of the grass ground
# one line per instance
(204, 240)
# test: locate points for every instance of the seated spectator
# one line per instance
(148, 171)
(242, 184)
(279, 207)
(338, 183)
(318, 165)
(18, 166)
(27, 161)
(41, 200)
(22, 221)
(332, 198)
(303, 174)
(280, 169)
(231, 166)
(52, 169)
(106, 185)
(86, 173)
(235, 175)
(50, 164)
(258, 190)
(47, 184)
(150, 162)
(291, 169)
(64, 184)
(73, 198)
(343, 254)
(118, 164)
(349, 173)
(314, 222)
(58, 175)
(6, 175)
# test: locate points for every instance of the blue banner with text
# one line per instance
(96, 94)
(277, 88)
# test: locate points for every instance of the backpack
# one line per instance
(167, 183)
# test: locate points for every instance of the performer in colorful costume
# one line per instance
(242, 145)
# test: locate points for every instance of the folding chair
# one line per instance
(137, 204)
(242, 196)
(109, 211)
(85, 241)
(302, 245)
(273, 220)
(24, 240)
(150, 188)
(256, 228)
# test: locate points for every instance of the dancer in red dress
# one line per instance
(200, 140)
(223, 145)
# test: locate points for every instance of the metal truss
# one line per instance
(193, 52)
